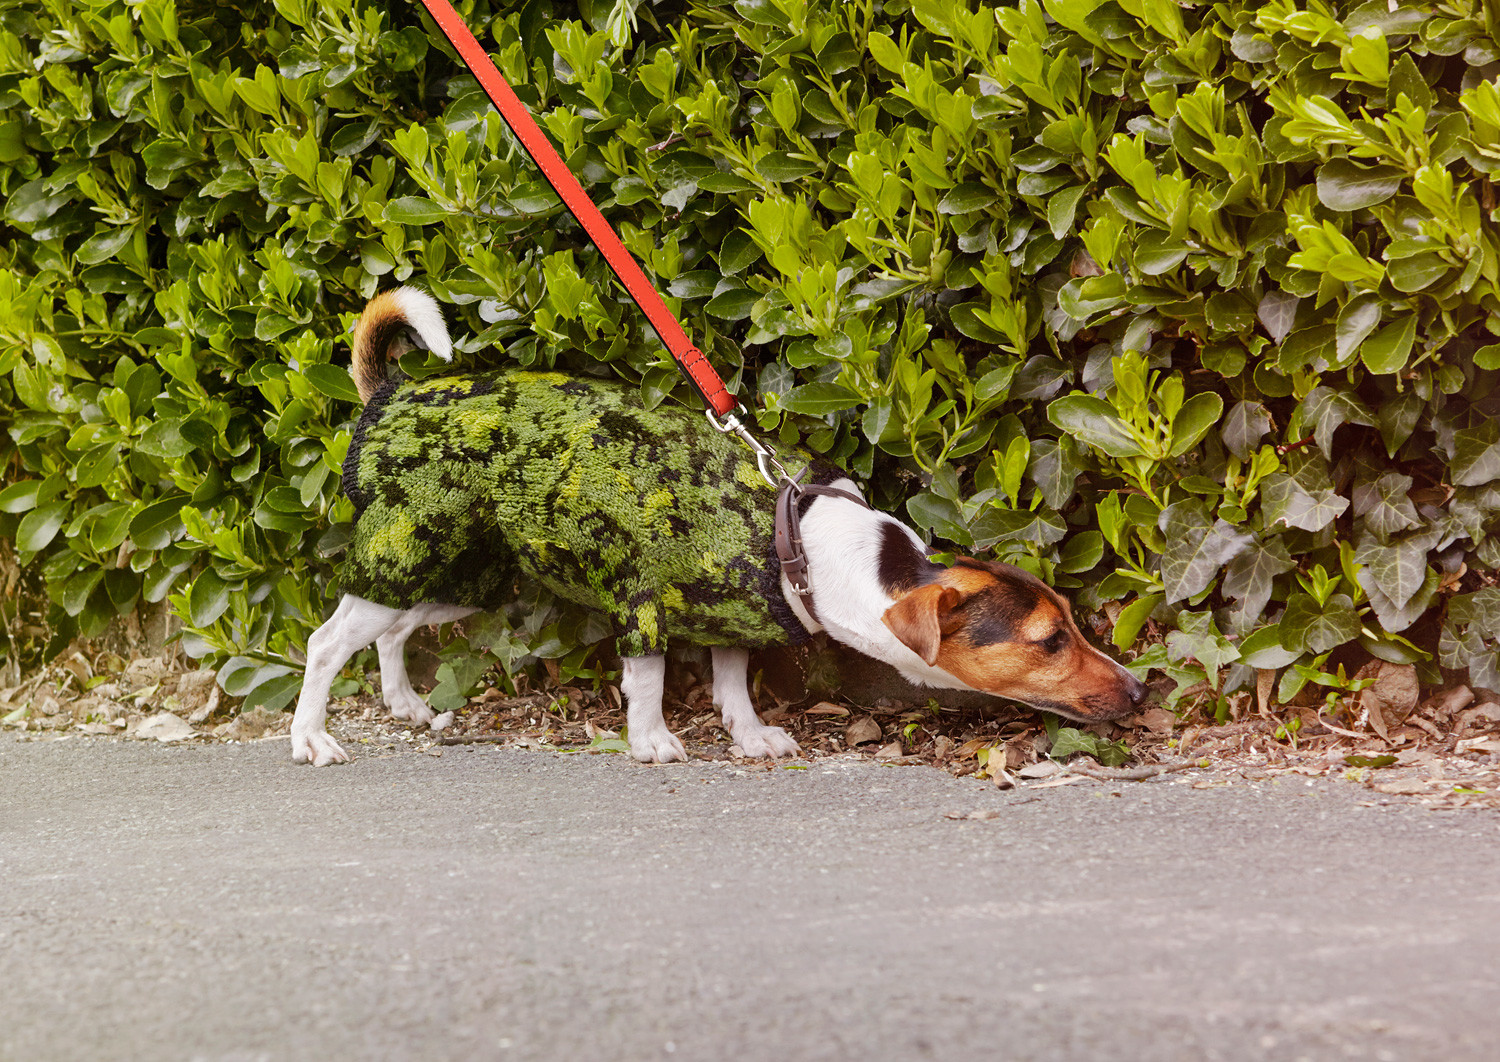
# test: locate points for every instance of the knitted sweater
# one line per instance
(467, 482)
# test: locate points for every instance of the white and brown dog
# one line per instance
(973, 625)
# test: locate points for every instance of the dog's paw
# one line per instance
(657, 746)
(768, 741)
(317, 748)
(409, 705)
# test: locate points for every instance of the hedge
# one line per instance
(1189, 307)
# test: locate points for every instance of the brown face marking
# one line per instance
(1001, 630)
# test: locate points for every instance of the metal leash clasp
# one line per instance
(765, 456)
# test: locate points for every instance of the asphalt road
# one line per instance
(219, 903)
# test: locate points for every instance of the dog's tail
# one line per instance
(393, 323)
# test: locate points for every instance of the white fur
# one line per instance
(732, 694)
(425, 318)
(355, 624)
(842, 540)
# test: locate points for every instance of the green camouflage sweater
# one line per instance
(465, 483)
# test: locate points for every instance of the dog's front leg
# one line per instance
(642, 684)
(732, 694)
(354, 624)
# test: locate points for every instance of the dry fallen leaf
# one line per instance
(1040, 769)
(862, 731)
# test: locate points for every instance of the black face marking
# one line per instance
(997, 613)
(903, 567)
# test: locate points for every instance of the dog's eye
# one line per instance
(1055, 642)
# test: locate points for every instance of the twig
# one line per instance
(473, 739)
(1134, 774)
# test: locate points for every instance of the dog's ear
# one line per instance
(922, 617)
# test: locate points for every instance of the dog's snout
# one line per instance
(1136, 691)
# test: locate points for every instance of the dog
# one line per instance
(468, 482)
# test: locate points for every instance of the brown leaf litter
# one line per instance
(1442, 751)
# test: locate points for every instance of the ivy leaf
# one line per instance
(1285, 501)
(1385, 506)
(1476, 455)
(1247, 423)
(1197, 548)
(1308, 628)
(1480, 610)
(1198, 638)
(1277, 312)
(940, 516)
(1250, 576)
(1325, 409)
(1018, 525)
(1396, 617)
(1054, 468)
(1397, 570)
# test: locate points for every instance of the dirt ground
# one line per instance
(1442, 750)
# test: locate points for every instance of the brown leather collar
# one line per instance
(788, 535)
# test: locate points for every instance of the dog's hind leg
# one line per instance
(395, 685)
(642, 684)
(354, 624)
(732, 694)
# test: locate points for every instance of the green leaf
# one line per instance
(1262, 650)
(40, 526)
(1082, 552)
(1157, 253)
(31, 203)
(1132, 618)
(1356, 321)
(1386, 352)
(413, 210)
(1093, 421)
(820, 399)
(208, 597)
(1417, 273)
(734, 304)
(1345, 185)
(967, 198)
(1061, 208)
(21, 496)
(332, 380)
(1197, 415)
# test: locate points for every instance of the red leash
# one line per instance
(694, 365)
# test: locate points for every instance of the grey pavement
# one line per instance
(219, 903)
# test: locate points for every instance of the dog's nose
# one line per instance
(1136, 691)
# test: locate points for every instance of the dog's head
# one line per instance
(1001, 630)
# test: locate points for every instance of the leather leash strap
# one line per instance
(788, 535)
(694, 365)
